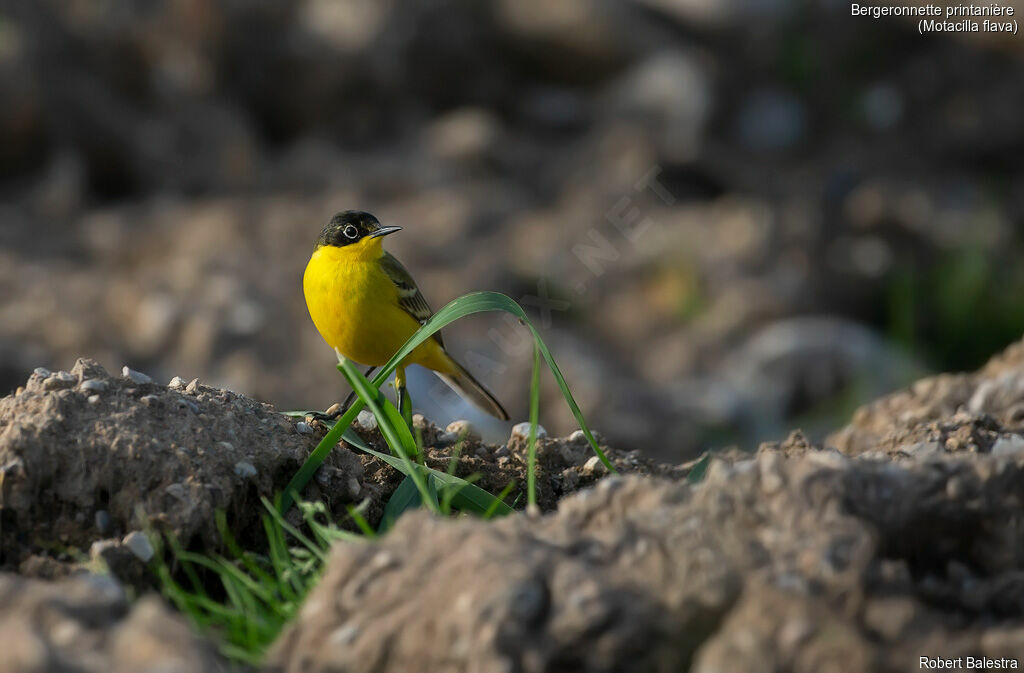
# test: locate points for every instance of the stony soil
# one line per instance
(87, 624)
(88, 459)
(906, 541)
(901, 537)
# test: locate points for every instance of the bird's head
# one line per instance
(352, 227)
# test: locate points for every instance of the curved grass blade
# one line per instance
(482, 302)
(319, 455)
(475, 302)
(391, 425)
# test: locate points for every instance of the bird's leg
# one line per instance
(404, 402)
(335, 411)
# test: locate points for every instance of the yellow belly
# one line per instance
(354, 306)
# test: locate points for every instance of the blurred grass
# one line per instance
(958, 312)
(252, 595)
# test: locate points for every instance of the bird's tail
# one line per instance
(462, 382)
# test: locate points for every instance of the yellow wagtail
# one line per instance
(366, 305)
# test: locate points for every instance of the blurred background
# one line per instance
(728, 217)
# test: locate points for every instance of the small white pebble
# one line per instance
(41, 372)
(577, 437)
(226, 446)
(192, 386)
(139, 545)
(97, 548)
(149, 400)
(522, 431)
(366, 420)
(134, 376)
(245, 470)
(93, 385)
(55, 382)
(93, 399)
(65, 377)
(464, 430)
(176, 383)
(303, 428)
(594, 466)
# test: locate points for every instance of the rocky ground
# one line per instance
(93, 459)
(901, 537)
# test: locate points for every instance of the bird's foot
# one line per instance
(333, 413)
(405, 405)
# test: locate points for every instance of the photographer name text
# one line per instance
(966, 663)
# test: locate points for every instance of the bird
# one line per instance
(366, 305)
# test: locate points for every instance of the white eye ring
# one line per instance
(350, 232)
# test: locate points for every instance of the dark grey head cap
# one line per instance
(352, 226)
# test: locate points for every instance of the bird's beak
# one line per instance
(384, 231)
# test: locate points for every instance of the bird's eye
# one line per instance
(350, 232)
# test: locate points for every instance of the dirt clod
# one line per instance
(112, 455)
(904, 539)
(86, 624)
(773, 563)
(99, 457)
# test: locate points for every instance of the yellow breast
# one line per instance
(354, 305)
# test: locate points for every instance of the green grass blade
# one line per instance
(319, 455)
(235, 550)
(475, 302)
(453, 464)
(391, 425)
(531, 453)
(264, 592)
(260, 594)
(697, 472)
(469, 498)
(499, 500)
(481, 302)
(456, 454)
(292, 530)
(361, 523)
(405, 497)
(280, 559)
(186, 567)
